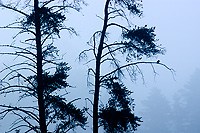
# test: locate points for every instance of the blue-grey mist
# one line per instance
(177, 28)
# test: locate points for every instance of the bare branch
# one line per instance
(89, 61)
(14, 54)
(20, 75)
(12, 8)
(16, 65)
(111, 51)
(16, 70)
(87, 107)
(118, 25)
(29, 113)
(83, 54)
(24, 119)
(136, 63)
(107, 59)
(5, 91)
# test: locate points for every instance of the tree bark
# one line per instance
(42, 121)
(97, 76)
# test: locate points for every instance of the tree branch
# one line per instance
(14, 9)
(136, 63)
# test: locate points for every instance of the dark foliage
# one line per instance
(139, 42)
(134, 6)
(65, 115)
(50, 52)
(117, 115)
(57, 80)
(50, 21)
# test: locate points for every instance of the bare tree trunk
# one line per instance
(98, 60)
(40, 89)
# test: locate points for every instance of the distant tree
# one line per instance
(43, 22)
(136, 42)
(187, 111)
(179, 119)
(156, 114)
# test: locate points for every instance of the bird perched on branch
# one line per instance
(158, 61)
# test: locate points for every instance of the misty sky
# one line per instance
(177, 28)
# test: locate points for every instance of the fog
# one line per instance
(167, 102)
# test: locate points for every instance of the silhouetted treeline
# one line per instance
(180, 116)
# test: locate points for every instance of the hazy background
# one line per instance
(177, 28)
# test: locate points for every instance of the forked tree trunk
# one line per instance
(97, 76)
(42, 121)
